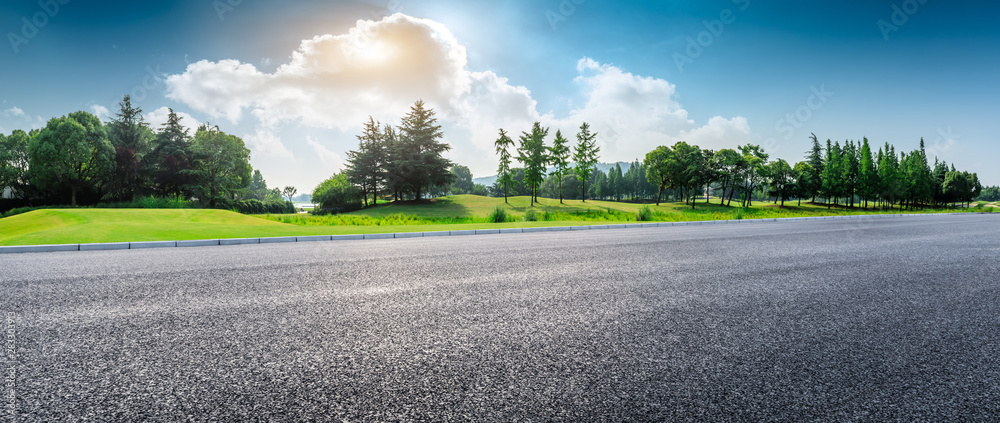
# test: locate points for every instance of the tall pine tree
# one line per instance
(532, 154)
(585, 156)
(559, 155)
(503, 145)
(418, 158)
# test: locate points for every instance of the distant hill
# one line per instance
(604, 167)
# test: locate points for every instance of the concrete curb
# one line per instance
(244, 241)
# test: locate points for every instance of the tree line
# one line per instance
(849, 174)
(535, 157)
(76, 159)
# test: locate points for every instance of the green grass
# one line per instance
(464, 209)
(71, 226)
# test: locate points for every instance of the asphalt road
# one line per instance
(870, 320)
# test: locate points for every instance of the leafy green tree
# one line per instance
(585, 156)
(504, 177)
(989, 194)
(480, 190)
(336, 192)
(782, 180)
(940, 170)
(755, 172)
(559, 156)
(14, 162)
(689, 166)
(289, 192)
(71, 152)
(962, 187)
(258, 186)
(221, 165)
(463, 180)
(659, 164)
(708, 174)
(955, 186)
(419, 154)
(804, 182)
(532, 154)
(727, 162)
(171, 158)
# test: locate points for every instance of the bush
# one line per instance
(530, 216)
(254, 206)
(19, 210)
(645, 214)
(337, 209)
(149, 202)
(498, 215)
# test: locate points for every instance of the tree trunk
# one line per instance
(658, 195)
(73, 197)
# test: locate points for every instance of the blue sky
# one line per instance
(507, 63)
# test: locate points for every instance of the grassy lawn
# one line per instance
(71, 226)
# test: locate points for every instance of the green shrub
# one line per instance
(645, 214)
(254, 206)
(20, 210)
(498, 215)
(530, 216)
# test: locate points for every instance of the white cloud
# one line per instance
(265, 143)
(379, 68)
(329, 158)
(19, 118)
(158, 117)
(14, 112)
(633, 114)
(336, 81)
(101, 112)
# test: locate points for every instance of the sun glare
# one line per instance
(373, 53)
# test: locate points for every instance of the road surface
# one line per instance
(882, 319)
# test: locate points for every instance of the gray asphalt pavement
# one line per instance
(865, 320)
